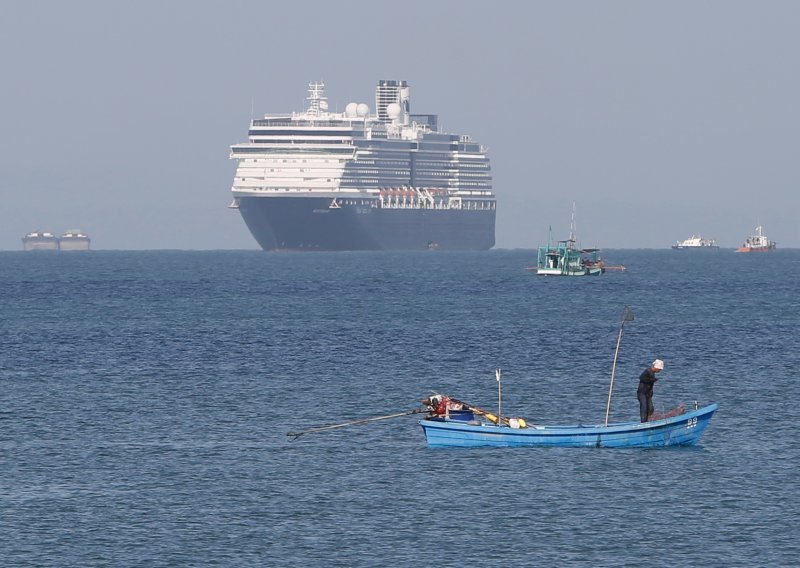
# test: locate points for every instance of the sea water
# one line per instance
(146, 400)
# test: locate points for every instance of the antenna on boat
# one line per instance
(572, 231)
(627, 315)
(498, 376)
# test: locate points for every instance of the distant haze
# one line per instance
(659, 120)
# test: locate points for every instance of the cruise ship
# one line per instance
(363, 179)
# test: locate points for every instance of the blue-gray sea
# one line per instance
(146, 398)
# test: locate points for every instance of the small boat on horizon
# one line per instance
(757, 242)
(45, 240)
(566, 258)
(696, 242)
(40, 240)
(74, 240)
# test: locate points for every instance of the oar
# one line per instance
(295, 435)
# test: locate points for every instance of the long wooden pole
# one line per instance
(296, 435)
(627, 315)
(499, 398)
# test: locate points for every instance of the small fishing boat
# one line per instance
(757, 242)
(682, 429)
(455, 423)
(566, 258)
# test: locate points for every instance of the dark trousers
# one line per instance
(645, 406)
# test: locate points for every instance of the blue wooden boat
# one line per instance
(683, 429)
(452, 422)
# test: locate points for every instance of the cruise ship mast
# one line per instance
(317, 101)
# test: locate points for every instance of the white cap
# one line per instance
(658, 364)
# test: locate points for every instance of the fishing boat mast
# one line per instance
(573, 233)
(627, 315)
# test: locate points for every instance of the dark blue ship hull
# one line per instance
(310, 223)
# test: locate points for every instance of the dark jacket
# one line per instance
(646, 381)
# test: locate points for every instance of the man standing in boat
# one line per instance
(645, 392)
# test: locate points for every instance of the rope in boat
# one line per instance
(295, 435)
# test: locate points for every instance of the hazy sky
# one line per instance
(658, 119)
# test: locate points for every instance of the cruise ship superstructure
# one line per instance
(358, 180)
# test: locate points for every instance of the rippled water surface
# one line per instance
(146, 398)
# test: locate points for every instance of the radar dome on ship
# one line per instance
(362, 109)
(351, 110)
(393, 110)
